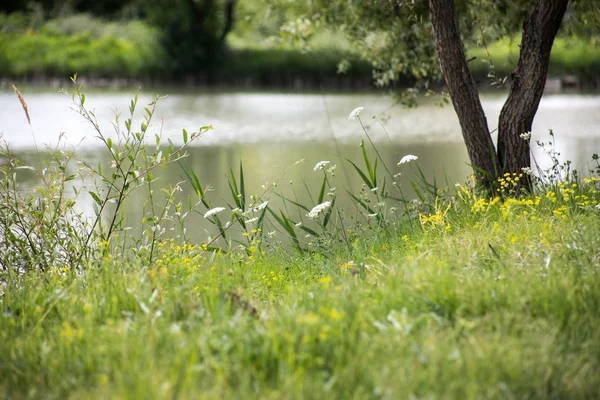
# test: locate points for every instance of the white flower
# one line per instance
(251, 220)
(318, 209)
(262, 206)
(598, 206)
(527, 171)
(408, 158)
(372, 215)
(525, 135)
(298, 225)
(355, 113)
(213, 211)
(320, 165)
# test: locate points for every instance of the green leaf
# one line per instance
(96, 198)
(328, 213)
(362, 175)
(109, 143)
(368, 163)
(242, 187)
(322, 192)
(185, 136)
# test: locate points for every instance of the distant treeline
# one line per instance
(183, 41)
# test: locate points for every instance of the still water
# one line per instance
(271, 131)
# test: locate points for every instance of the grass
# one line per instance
(489, 298)
(570, 56)
(454, 295)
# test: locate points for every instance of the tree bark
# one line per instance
(229, 18)
(529, 79)
(463, 91)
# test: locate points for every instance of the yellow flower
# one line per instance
(325, 280)
(309, 319)
(335, 314)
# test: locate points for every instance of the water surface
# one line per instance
(271, 131)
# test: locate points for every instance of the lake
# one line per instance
(271, 131)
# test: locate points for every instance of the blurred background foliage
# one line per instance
(271, 42)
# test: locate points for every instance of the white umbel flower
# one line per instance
(527, 171)
(355, 113)
(408, 158)
(320, 165)
(525, 135)
(318, 209)
(213, 211)
(262, 206)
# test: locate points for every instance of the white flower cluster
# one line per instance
(261, 206)
(525, 135)
(408, 158)
(213, 211)
(355, 113)
(318, 209)
(320, 165)
(527, 171)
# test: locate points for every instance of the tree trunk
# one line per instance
(463, 91)
(528, 84)
(229, 18)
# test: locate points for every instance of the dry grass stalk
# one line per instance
(23, 103)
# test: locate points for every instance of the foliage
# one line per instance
(570, 56)
(396, 37)
(41, 227)
(83, 45)
(463, 296)
(193, 32)
(319, 226)
(498, 304)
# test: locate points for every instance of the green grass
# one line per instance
(488, 299)
(570, 56)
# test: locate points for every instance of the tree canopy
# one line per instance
(425, 39)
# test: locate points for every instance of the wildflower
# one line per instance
(407, 159)
(525, 135)
(320, 165)
(309, 319)
(355, 113)
(325, 280)
(598, 206)
(527, 171)
(262, 206)
(318, 209)
(251, 220)
(213, 211)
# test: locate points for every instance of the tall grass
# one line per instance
(459, 294)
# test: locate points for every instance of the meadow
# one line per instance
(457, 294)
